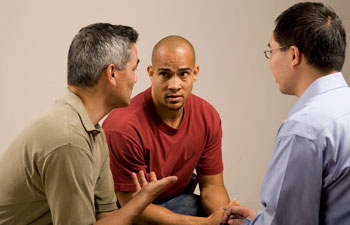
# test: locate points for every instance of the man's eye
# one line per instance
(184, 74)
(163, 74)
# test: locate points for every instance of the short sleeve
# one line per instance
(125, 157)
(210, 162)
(68, 180)
(105, 199)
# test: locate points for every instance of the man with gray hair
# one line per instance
(57, 170)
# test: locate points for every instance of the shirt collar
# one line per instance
(75, 102)
(319, 86)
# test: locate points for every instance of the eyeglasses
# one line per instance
(268, 53)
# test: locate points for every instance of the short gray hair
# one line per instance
(94, 48)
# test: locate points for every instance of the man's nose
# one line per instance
(175, 83)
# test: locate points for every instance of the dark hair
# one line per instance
(316, 31)
(94, 48)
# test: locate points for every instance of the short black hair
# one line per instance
(317, 31)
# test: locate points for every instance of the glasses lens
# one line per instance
(267, 54)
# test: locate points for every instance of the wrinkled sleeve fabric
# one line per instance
(291, 189)
(105, 198)
(210, 162)
(126, 157)
(67, 176)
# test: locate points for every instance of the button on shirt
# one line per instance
(308, 177)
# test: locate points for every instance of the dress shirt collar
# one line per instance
(319, 86)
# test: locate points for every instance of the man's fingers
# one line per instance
(143, 179)
(232, 209)
(135, 181)
(156, 185)
(234, 202)
(159, 185)
(152, 176)
(242, 211)
(227, 214)
(168, 180)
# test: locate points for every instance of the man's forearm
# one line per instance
(213, 197)
(128, 213)
(138, 202)
(155, 214)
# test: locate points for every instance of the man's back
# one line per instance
(48, 164)
(312, 158)
(329, 114)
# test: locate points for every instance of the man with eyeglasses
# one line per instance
(308, 177)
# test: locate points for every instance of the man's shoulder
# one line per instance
(54, 119)
(319, 114)
(59, 126)
(201, 106)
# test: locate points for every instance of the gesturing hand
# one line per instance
(154, 186)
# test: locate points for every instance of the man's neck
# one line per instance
(172, 118)
(92, 101)
(307, 77)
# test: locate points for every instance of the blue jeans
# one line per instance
(186, 204)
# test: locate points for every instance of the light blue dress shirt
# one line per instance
(308, 177)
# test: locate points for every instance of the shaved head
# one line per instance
(172, 73)
(172, 44)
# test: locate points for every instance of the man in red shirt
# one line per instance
(57, 170)
(170, 131)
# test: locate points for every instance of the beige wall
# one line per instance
(229, 36)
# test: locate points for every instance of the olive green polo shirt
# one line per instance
(57, 170)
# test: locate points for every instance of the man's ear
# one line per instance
(111, 74)
(196, 72)
(150, 72)
(295, 55)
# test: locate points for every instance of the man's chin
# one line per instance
(122, 104)
(286, 92)
(175, 107)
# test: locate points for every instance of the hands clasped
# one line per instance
(236, 214)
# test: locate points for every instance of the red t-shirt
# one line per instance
(139, 140)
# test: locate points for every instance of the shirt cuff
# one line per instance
(106, 207)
